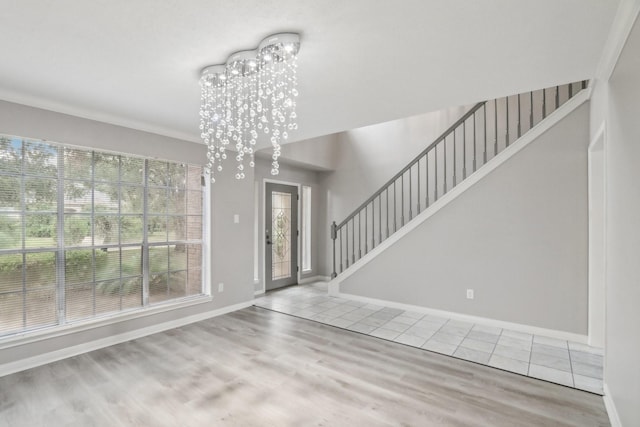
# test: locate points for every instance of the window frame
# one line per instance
(63, 324)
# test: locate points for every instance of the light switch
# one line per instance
(236, 219)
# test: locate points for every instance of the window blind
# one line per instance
(86, 233)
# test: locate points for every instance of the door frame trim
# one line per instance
(597, 286)
(263, 228)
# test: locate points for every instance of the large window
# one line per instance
(86, 233)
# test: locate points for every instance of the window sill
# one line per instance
(23, 338)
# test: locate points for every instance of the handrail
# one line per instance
(463, 145)
(444, 134)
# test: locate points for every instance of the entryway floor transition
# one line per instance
(558, 361)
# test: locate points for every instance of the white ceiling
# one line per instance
(136, 62)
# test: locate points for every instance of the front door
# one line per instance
(281, 239)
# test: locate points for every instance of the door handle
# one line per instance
(268, 239)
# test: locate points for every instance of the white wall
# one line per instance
(518, 237)
(232, 252)
(315, 153)
(617, 103)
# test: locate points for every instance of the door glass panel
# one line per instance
(281, 230)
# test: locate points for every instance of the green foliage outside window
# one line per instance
(9, 230)
(41, 225)
(75, 230)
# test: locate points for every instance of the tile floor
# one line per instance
(563, 362)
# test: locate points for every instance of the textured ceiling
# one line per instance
(136, 63)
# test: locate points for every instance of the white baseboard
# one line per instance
(43, 359)
(313, 279)
(22, 338)
(306, 280)
(614, 418)
(552, 333)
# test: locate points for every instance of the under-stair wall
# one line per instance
(464, 143)
(517, 237)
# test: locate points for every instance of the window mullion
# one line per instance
(60, 262)
(120, 228)
(167, 195)
(145, 237)
(92, 221)
(23, 232)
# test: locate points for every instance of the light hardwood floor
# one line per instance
(256, 367)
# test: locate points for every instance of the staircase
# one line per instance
(473, 141)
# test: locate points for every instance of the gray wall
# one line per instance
(368, 157)
(618, 102)
(518, 238)
(232, 251)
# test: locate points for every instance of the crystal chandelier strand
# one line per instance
(254, 92)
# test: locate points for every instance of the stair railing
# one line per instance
(472, 141)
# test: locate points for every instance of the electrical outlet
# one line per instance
(469, 293)
(220, 287)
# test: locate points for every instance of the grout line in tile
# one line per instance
(573, 378)
(496, 344)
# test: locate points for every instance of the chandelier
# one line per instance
(253, 93)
